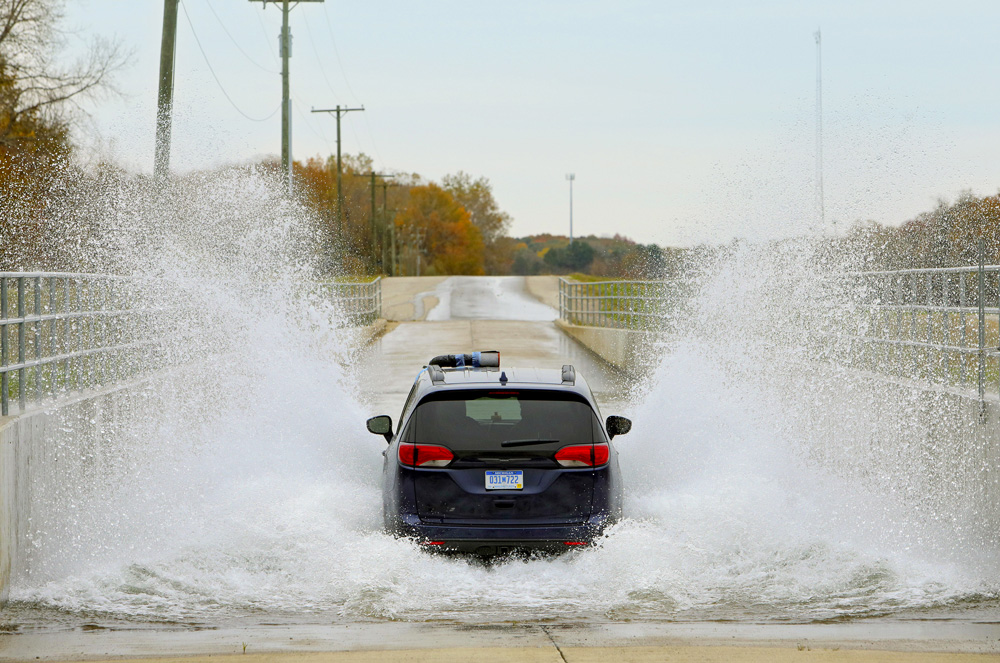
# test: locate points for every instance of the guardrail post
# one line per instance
(38, 337)
(982, 329)
(946, 327)
(964, 341)
(4, 379)
(915, 355)
(67, 340)
(53, 368)
(21, 372)
(562, 308)
(930, 327)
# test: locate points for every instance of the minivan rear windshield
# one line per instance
(533, 420)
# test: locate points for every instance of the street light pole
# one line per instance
(819, 133)
(571, 177)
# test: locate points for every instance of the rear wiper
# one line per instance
(525, 443)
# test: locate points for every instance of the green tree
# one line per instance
(576, 257)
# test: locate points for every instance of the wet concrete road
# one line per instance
(871, 642)
(488, 298)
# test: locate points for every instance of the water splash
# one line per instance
(762, 482)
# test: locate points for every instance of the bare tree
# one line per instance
(34, 83)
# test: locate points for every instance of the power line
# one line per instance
(319, 62)
(322, 70)
(235, 43)
(305, 119)
(819, 131)
(340, 63)
(267, 40)
(217, 81)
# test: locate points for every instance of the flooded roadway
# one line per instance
(272, 529)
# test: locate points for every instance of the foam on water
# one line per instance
(247, 488)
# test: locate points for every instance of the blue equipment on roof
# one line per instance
(487, 359)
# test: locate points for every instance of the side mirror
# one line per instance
(381, 425)
(618, 426)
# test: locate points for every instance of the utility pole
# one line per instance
(419, 246)
(376, 257)
(165, 96)
(338, 111)
(285, 49)
(819, 131)
(374, 233)
(571, 177)
(392, 227)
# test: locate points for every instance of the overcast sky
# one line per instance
(683, 121)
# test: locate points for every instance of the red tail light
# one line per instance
(583, 455)
(424, 455)
(574, 543)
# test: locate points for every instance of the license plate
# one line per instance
(504, 480)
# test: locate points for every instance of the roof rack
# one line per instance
(435, 373)
(568, 374)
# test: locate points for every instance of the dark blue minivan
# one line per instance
(490, 460)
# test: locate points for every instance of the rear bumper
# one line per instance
(499, 539)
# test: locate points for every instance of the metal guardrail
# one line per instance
(66, 332)
(618, 304)
(939, 325)
(361, 303)
(62, 332)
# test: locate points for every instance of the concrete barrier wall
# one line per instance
(935, 437)
(625, 349)
(13, 485)
(30, 444)
(72, 449)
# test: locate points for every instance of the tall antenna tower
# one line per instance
(819, 131)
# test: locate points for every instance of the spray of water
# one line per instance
(762, 482)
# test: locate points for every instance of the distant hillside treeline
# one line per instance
(947, 236)
(412, 226)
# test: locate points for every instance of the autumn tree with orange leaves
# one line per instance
(436, 234)
(39, 96)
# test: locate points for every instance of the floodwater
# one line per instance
(761, 486)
